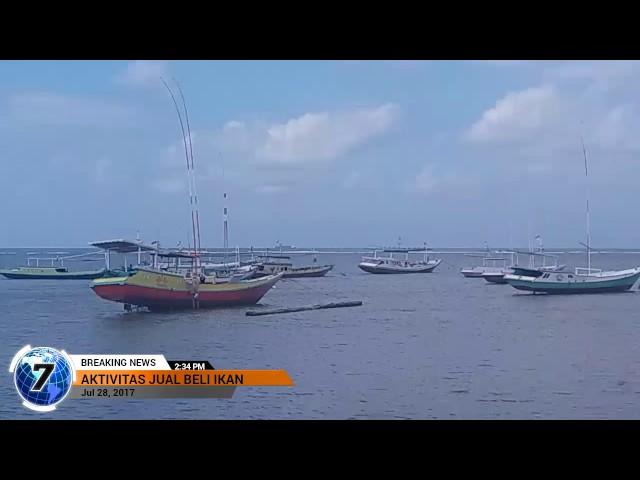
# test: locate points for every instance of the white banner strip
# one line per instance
(119, 362)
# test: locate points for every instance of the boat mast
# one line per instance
(190, 176)
(225, 222)
(586, 174)
(193, 177)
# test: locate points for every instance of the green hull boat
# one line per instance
(49, 273)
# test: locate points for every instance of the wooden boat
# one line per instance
(498, 277)
(272, 265)
(391, 265)
(160, 290)
(169, 282)
(583, 280)
(50, 273)
(489, 265)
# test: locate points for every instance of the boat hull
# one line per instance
(478, 272)
(18, 275)
(302, 272)
(496, 278)
(158, 291)
(311, 272)
(577, 285)
(390, 270)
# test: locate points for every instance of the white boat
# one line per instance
(489, 265)
(583, 280)
(499, 276)
(391, 265)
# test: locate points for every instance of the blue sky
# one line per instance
(320, 153)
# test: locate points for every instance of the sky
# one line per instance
(321, 153)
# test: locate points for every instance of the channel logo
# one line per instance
(43, 377)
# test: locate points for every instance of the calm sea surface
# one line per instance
(422, 346)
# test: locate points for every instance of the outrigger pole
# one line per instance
(193, 171)
(190, 177)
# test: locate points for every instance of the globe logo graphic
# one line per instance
(43, 377)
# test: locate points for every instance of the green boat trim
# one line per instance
(50, 273)
(567, 283)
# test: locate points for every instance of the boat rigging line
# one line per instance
(190, 177)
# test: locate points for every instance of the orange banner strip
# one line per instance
(198, 378)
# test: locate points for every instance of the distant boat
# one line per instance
(584, 280)
(49, 273)
(391, 265)
(272, 265)
(489, 265)
(498, 276)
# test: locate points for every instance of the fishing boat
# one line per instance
(274, 264)
(583, 280)
(163, 290)
(497, 276)
(489, 265)
(54, 271)
(50, 273)
(391, 265)
(169, 288)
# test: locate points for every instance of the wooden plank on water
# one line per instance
(253, 313)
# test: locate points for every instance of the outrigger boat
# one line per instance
(274, 264)
(489, 265)
(168, 288)
(583, 280)
(390, 265)
(55, 271)
(161, 289)
(50, 273)
(498, 276)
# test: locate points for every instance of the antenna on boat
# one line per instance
(190, 177)
(586, 174)
(225, 220)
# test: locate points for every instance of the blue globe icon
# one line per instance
(43, 376)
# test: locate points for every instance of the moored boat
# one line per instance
(50, 273)
(391, 265)
(271, 265)
(583, 280)
(489, 265)
(161, 290)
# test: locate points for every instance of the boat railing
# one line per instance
(585, 271)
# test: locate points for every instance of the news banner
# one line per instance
(44, 377)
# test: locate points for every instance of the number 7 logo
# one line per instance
(44, 376)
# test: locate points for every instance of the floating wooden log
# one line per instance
(253, 313)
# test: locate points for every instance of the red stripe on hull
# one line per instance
(156, 298)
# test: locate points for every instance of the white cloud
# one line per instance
(53, 109)
(518, 115)
(325, 136)
(143, 73)
(309, 138)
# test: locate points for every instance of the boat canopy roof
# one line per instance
(535, 254)
(170, 254)
(122, 246)
(404, 250)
